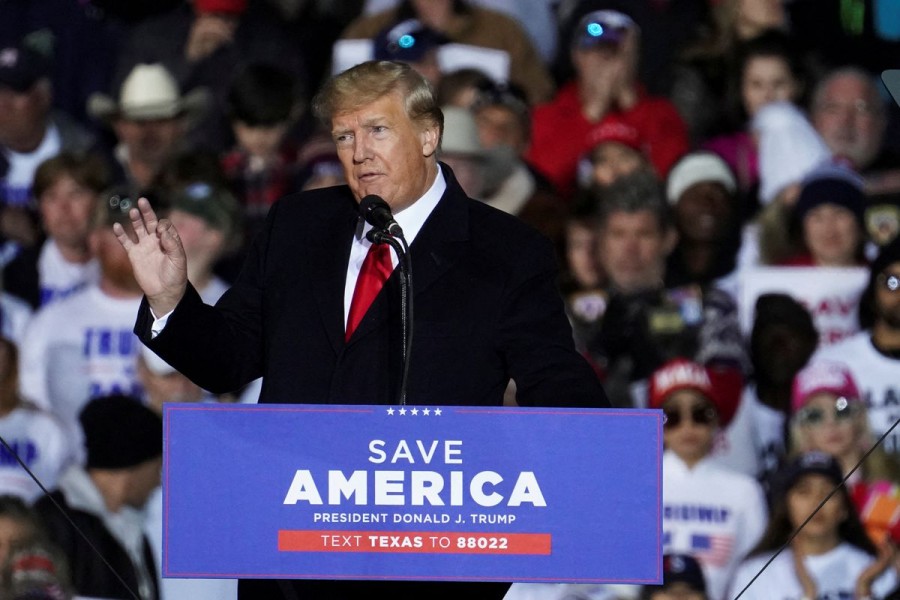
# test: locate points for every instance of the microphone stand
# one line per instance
(398, 243)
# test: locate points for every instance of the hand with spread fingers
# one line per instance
(157, 257)
(886, 558)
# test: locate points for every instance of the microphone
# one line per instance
(385, 230)
(377, 213)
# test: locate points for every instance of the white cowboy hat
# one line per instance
(149, 92)
(461, 139)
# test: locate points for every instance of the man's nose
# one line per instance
(632, 243)
(361, 150)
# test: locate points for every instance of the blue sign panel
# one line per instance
(416, 492)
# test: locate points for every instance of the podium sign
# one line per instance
(416, 492)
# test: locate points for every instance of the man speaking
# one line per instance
(312, 314)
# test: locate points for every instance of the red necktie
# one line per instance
(375, 271)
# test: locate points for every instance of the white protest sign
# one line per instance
(830, 294)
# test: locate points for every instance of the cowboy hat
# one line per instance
(149, 92)
(461, 139)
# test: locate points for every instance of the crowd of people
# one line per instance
(722, 189)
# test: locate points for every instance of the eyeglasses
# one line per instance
(889, 281)
(842, 412)
(701, 414)
(858, 107)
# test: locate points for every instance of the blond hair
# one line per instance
(367, 82)
(878, 466)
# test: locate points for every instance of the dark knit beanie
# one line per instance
(775, 308)
(120, 432)
(832, 184)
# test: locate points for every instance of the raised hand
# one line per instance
(887, 555)
(157, 257)
(208, 33)
(803, 576)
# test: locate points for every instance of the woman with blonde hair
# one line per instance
(829, 416)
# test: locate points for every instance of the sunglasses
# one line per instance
(842, 412)
(701, 414)
(889, 281)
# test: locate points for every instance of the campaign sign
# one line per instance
(412, 492)
(830, 294)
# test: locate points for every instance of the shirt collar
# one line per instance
(414, 216)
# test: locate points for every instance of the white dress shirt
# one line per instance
(410, 220)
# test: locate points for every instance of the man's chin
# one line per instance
(372, 189)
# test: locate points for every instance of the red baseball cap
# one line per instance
(823, 376)
(615, 130)
(230, 7)
(720, 384)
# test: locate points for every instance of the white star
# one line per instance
(426, 412)
(414, 411)
(437, 412)
(402, 411)
(390, 411)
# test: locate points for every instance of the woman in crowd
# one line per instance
(829, 416)
(768, 69)
(789, 149)
(826, 226)
(829, 557)
(706, 67)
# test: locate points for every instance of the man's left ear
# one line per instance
(429, 137)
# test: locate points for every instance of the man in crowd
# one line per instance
(304, 326)
(605, 49)
(30, 131)
(96, 514)
(202, 43)
(849, 113)
(67, 188)
(645, 322)
(83, 346)
(702, 191)
(873, 354)
(848, 110)
(150, 119)
(206, 217)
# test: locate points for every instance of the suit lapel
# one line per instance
(442, 238)
(435, 250)
(329, 254)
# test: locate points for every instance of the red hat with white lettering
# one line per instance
(823, 377)
(677, 375)
(616, 130)
(720, 384)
